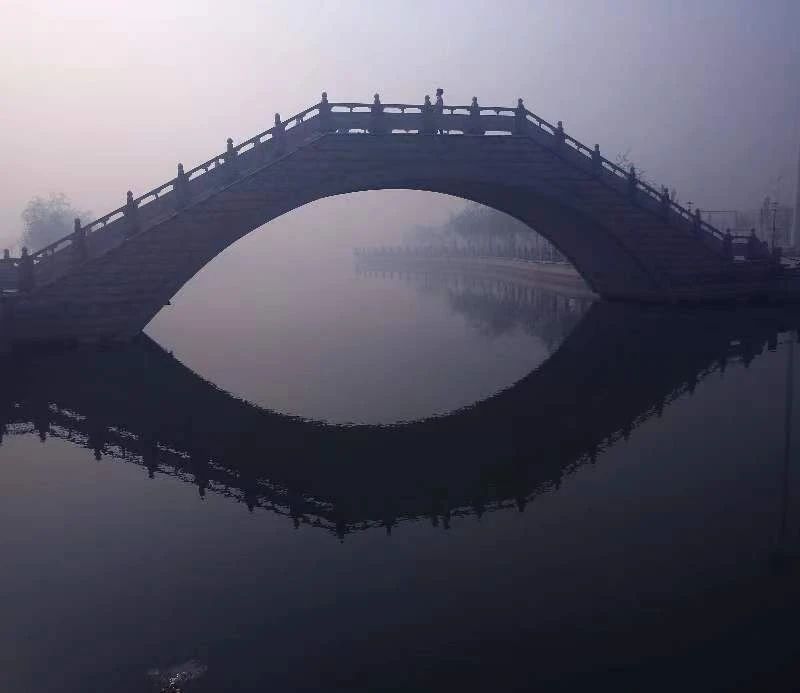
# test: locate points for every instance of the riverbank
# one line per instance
(559, 277)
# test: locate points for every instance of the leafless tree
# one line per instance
(48, 219)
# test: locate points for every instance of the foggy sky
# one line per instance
(99, 97)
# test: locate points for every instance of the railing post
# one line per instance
(597, 159)
(79, 242)
(230, 160)
(131, 213)
(475, 127)
(26, 280)
(181, 185)
(428, 117)
(727, 245)
(632, 183)
(325, 119)
(560, 135)
(520, 119)
(278, 132)
(377, 125)
(697, 221)
(665, 202)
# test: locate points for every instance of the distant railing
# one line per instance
(488, 250)
(343, 117)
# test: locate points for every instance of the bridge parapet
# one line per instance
(286, 136)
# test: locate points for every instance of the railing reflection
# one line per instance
(617, 368)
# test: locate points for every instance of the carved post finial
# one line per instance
(428, 121)
(632, 183)
(520, 118)
(697, 220)
(230, 160)
(376, 120)
(278, 145)
(597, 159)
(79, 241)
(131, 214)
(325, 114)
(559, 133)
(25, 277)
(475, 127)
(181, 188)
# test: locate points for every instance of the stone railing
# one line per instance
(143, 211)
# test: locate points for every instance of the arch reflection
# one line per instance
(618, 366)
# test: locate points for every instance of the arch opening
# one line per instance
(285, 320)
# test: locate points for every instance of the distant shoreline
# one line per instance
(555, 276)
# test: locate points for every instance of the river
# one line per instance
(366, 479)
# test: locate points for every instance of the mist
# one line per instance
(99, 97)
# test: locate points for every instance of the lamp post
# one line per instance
(774, 215)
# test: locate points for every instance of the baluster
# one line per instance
(632, 183)
(79, 242)
(475, 127)
(377, 125)
(727, 245)
(131, 214)
(25, 278)
(230, 163)
(428, 118)
(181, 188)
(665, 202)
(520, 119)
(278, 136)
(697, 221)
(560, 135)
(597, 159)
(325, 118)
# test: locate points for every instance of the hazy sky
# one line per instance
(99, 96)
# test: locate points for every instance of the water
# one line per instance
(581, 495)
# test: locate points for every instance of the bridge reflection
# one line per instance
(618, 366)
(495, 306)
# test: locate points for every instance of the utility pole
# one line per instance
(796, 225)
(774, 214)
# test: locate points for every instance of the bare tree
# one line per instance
(624, 161)
(48, 219)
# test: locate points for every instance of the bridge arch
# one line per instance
(625, 241)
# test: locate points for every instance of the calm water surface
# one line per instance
(581, 496)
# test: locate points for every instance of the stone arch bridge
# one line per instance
(107, 279)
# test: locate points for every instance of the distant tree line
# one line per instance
(477, 230)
